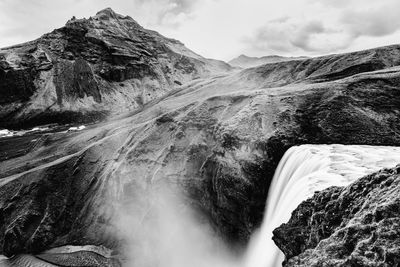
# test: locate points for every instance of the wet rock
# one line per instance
(353, 226)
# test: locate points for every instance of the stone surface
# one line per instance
(353, 226)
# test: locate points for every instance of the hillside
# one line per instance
(217, 139)
(92, 68)
(245, 62)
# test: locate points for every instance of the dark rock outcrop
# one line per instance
(353, 226)
(47, 200)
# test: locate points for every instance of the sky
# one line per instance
(224, 29)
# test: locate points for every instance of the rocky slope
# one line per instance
(217, 139)
(245, 62)
(93, 67)
(353, 226)
(324, 69)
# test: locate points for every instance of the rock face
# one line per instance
(353, 226)
(217, 139)
(93, 67)
(245, 62)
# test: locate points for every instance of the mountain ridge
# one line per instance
(102, 65)
(244, 61)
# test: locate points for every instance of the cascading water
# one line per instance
(167, 237)
(304, 170)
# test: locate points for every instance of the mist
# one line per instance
(164, 231)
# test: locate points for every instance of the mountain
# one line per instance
(91, 68)
(245, 62)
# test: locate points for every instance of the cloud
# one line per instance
(303, 37)
(372, 22)
(168, 13)
(296, 36)
(23, 20)
(326, 27)
(334, 3)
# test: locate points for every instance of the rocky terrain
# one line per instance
(245, 62)
(91, 68)
(218, 139)
(353, 226)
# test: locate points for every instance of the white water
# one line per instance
(76, 129)
(11, 133)
(302, 171)
(168, 237)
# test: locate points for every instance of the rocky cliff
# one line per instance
(353, 226)
(93, 67)
(218, 139)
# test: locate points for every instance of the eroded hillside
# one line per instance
(91, 68)
(217, 139)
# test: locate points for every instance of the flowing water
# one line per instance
(304, 170)
(176, 239)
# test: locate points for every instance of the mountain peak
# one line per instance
(107, 12)
(97, 57)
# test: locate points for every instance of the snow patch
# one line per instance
(75, 129)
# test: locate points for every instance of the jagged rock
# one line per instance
(353, 226)
(93, 67)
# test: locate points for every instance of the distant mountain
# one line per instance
(91, 68)
(244, 61)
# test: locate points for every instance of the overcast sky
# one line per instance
(224, 29)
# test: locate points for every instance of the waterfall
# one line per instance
(302, 171)
(168, 237)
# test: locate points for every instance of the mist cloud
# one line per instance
(165, 231)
